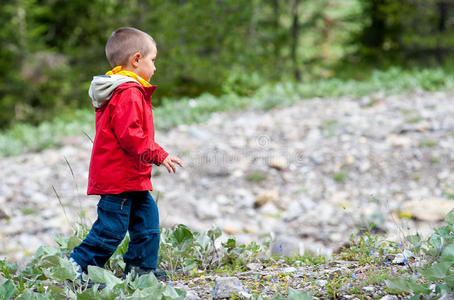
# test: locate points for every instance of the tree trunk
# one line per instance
(276, 37)
(295, 38)
(442, 18)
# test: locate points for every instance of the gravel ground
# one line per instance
(310, 174)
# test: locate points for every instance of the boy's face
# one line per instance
(145, 64)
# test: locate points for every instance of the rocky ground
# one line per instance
(337, 279)
(311, 175)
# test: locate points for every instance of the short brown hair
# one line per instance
(126, 41)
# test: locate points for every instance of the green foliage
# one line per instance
(366, 248)
(405, 32)
(22, 137)
(438, 251)
(256, 176)
(52, 48)
(50, 274)
(184, 250)
(340, 176)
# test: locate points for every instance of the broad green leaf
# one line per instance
(45, 251)
(450, 280)
(108, 294)
(7, 290)
(30, 295)
(88, 294)
(448, 253)
(146, 281)
(189, 264)
(435, 240)
(450, 217)
(169, 293)
(101, 275)
(204, 241)
(214, 233)
(443, 231)
(48, 261)
(437, 271)
(398, 285)
(61, 241)
(298, 295)
(414, 239)
(147, 293)
(230, 244)
(56, 290)
(73, 242)
(418, 288)
(182, 233)
(442, 288)
(7, 269)
(63, 271)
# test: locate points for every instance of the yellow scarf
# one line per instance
(118, 71)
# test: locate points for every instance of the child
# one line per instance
(123, 153)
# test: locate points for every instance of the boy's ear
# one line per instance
(134, 59)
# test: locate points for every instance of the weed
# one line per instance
(435, 160)
(256, 176)
(428, 144)
(340, 176)
(28, 211)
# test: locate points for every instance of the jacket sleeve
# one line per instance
(127, 124)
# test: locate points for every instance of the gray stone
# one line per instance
(431, 210)
(266, 197)
(447, 297)
(254, 266)
(278, 162)
(321, 282)
(4, 212)
(389, 297)
(225, 287)
(293, 212)
(369, 289)
(190, 295)
(398, 259)
(269, 209)
(289, 270)
(207, 210)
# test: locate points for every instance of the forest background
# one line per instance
(50, 49)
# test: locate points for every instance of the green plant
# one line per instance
(182, 250)
(438, 251)
(366, 249)
(256, 176)
(22, 137)
(428, 144)
(340, 176)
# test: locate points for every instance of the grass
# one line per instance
(340, 176)
(200, 257)
(256, 176)
(22, 138)
(428, 144)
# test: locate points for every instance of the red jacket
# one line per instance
(124, 147)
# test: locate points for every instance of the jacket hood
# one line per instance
(103, 86)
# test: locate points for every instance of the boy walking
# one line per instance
(123, 153)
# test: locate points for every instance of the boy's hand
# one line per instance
(168, 163)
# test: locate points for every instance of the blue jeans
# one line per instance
(118, 213)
